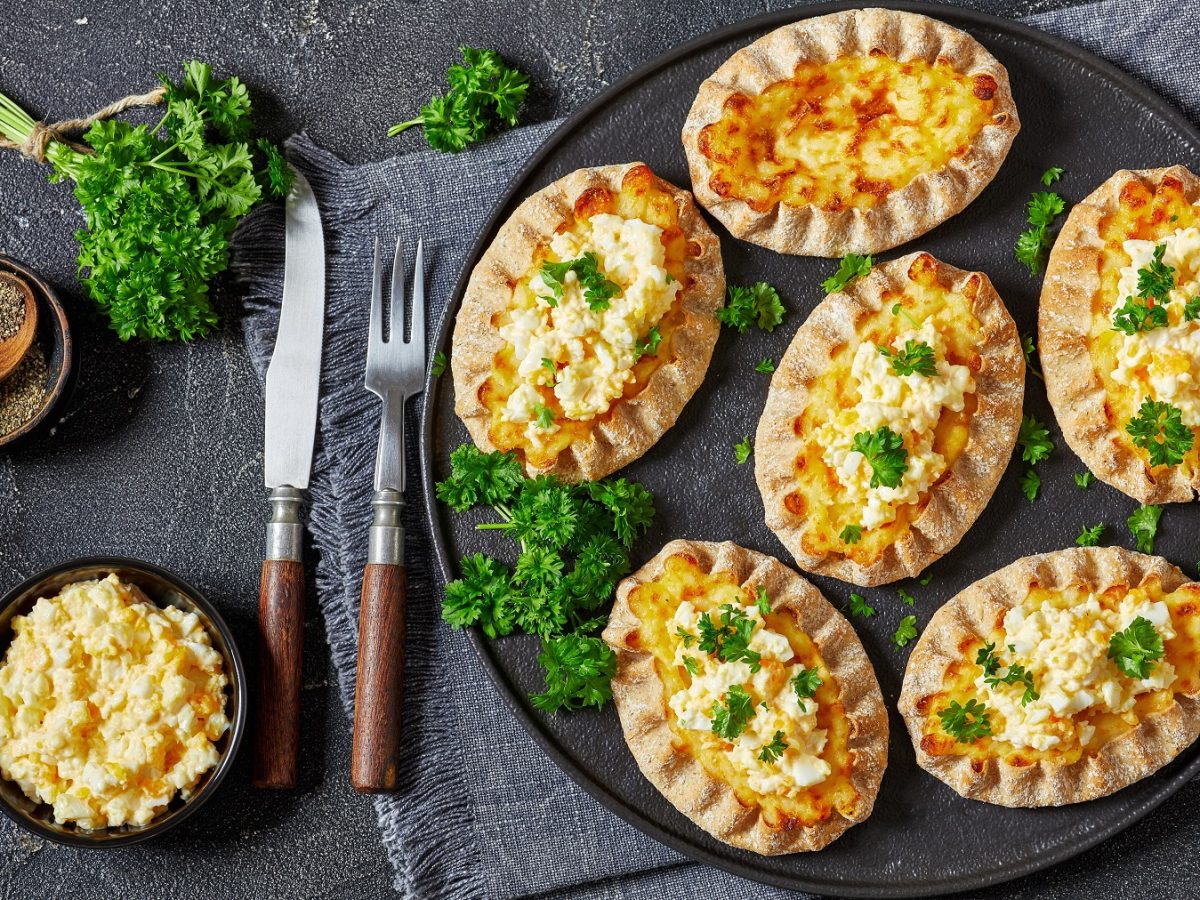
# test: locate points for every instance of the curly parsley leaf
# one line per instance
(478, 478)
(543, 417)
(745, 306)
(730, 717)
(766, 366)
(905, 597)
(1052, 175)
(859, 607)
(851, 534)
(1034, 440)
(885, 453)
(484, 94)
(806, 682)
(966, 724)
(729, 638)
(648, 346)
(1159, 430)
(905, 632)
(1031, 483)
(1137, 648)
(1090, 537)
(693, 667)
(1135, 315)
(579, 669)
(762, 601)
(1029, 349)
(1014, 674)
(598, 290)
(1191, 310)
(1143, 524)
(1084, 480)
(439, 364)
(1041, 211)
(742, 450)
(851, 266)
(1156, 279)
(630, 505)
(772, 751)
(915, 359)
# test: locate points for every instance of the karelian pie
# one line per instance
(588, 323)
(849, 133)
(889, 421)
(766, 729)
(1061, 678)
(1119, 333)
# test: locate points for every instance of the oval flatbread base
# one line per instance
(686, 782)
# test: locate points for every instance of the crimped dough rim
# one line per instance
(928, 200)
(632, 425)
(1153, 743)
(957, 500)
(683, 780)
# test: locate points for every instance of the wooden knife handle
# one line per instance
(379, 690)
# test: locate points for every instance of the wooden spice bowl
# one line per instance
(54, 336)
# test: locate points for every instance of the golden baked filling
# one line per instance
(887, 420)
(1145, 331)
(1065, 672)
(845, 133)
(580, 340)
(746, 694)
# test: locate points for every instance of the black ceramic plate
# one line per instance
(1077, 112)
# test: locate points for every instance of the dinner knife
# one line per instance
(293, 386)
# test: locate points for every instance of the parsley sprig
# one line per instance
(1033, 243)
(885, 453)
(1014, 673)
(484, 94)
(1148, 310)
(1143, 524)
(905, 632)
(966, 724)
(1137, 648)
(731, 716)
(772, 751)
(1034, 441)
(728, 638)
(574, 547)
(160, 203)
(1090, 537)
(851, 266)
(597, 289)
(745, 306)
(806, 682)
(859, 607)
(1159, 430)
(915, 359)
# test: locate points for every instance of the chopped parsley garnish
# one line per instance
(1029, 348)
(966, 724)
(899, 310)
(1090, 537)
(543, 416)
(1034, 439)
(886, 454)
(730, 718)
(1191, 310)
(905, 597)
(1031, 483)
(1014, 673)
(905, 632)
(852, 266)
(1083, 480)
(439, 364)
(806, 683)
(1156, 279)
(742, 450)
(1136, 649)
(685, 636)
(1159, 430)
(851, 534)
(648, 346)
(859, 607)
(1136, 315)
(1143, 523)
(766, 366)
(772, 751)
(729, 640)
(1051, 175)
(915, 359)
(689, 663)
(762, 601)
(1148, 310)
(1042, 209)
(597, 289)
(746, 306)
(925, 579)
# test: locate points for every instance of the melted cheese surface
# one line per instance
(861, 391)
(811, 778)
(845, 133)
(573, 361)
(1062, 639)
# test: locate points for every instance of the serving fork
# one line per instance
(395, 372)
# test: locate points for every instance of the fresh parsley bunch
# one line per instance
(484, 94)
(161, 202)
(574, 548)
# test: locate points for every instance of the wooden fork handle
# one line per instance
(379, 691)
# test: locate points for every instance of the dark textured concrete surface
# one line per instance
(159, 454)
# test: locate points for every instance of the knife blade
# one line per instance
(292, 392)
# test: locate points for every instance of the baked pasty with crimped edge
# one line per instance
(1088, 728)
(928, 353)
(1099, 378)
(804, 767)
(851, 132)
(580, 369)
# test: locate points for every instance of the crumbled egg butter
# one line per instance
(593, 351)
(800, 765)
(909, 405)
(1163, 362)
(109, 706)
(1063, 642)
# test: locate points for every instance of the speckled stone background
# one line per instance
(159, 453)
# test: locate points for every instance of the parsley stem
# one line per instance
(493, 526)
(403, 126)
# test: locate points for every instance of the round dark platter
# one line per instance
(1078, 112)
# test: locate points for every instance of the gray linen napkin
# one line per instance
(482, 812)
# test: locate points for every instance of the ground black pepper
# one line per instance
(23, 392)
(12, 310)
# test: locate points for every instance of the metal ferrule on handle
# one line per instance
(385, 541)
(285, 532)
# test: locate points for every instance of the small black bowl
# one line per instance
(164, 589)
(54, 337)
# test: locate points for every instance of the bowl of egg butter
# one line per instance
(122, 702)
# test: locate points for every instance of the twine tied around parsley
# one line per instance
(43, 134)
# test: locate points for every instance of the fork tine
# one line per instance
(375, 333)
(396, 329)
(418, 304)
